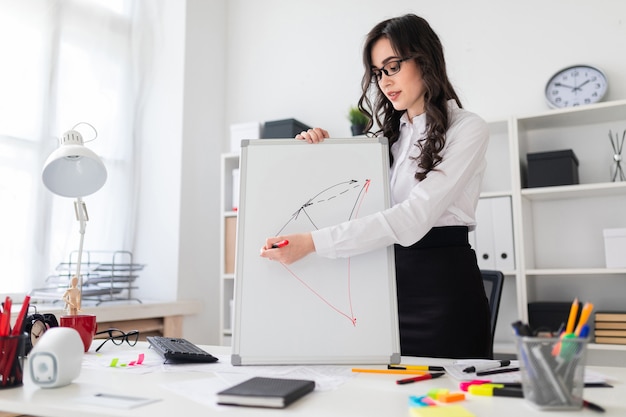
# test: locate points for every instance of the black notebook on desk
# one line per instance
(266, 392)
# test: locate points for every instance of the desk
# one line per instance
(158, 318)
(360, 395)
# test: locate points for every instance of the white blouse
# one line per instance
(447, 197)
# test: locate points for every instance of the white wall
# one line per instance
(158, 239)
(229, 61)
(302, 59)
(183, 130)
(203, 130)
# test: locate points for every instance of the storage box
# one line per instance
(548, 316)
(552, 168)
(287, 128)
(615, 248)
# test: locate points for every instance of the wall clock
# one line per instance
(576, 86)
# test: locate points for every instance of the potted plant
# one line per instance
(358, 121)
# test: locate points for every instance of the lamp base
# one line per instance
(84, 324)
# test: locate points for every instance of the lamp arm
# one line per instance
(82, 216)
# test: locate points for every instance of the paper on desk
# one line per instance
(326, 377)
(126, 360)
(455, 370)
(115, 401)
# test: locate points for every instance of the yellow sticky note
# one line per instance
(441, 411)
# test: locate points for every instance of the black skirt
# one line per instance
(443, 310)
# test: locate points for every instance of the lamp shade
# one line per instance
(73, 170)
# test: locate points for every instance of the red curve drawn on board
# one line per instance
(353, 214)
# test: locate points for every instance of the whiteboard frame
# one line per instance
(245, 352)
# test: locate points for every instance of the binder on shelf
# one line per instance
(235, 189)
(483, 235)
(494, 234)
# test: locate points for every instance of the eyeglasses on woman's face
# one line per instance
(118, 337)
(389, 69)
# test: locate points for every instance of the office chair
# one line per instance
(493, 282)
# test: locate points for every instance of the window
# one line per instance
(65, 62)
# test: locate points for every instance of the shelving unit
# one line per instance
(228, 213)
(560, 228)
(557, 231)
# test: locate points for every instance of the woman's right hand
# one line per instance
(314, 135)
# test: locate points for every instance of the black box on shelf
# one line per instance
(287, 128)
(552, 168)
(549, 316)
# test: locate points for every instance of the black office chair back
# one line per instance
(493, 282)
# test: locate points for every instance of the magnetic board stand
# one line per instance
(316, 310)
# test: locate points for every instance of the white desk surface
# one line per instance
(188, 390)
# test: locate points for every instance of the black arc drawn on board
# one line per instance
(326, 196)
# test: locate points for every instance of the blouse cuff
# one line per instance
(323, 243)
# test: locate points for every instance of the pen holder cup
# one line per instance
(12, 360)
(552, 371)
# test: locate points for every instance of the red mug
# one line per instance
(84, 324)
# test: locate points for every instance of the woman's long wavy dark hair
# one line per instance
(410, 35)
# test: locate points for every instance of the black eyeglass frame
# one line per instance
(118, 339)
(377, 73)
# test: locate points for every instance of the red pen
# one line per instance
(420, 378)
(280, 244)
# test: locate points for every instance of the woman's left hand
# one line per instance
(313, 135)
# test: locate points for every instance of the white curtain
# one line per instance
(66, 62)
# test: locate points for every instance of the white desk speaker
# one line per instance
(56, 359)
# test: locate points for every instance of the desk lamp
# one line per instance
(75, 171)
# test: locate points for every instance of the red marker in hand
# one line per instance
(280, 244)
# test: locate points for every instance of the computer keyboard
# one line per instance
(179, 350)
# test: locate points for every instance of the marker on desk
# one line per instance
(497, 371)
(592, 406)
(495, 390)
(280, 244)
(420, 378)
(464, 385)
(486, 366)
(417, 367)
(389, 371)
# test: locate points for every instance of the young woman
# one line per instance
(437, 164)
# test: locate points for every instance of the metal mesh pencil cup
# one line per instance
(12, 360)
(552, 371)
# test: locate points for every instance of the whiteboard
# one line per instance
(316, 310)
